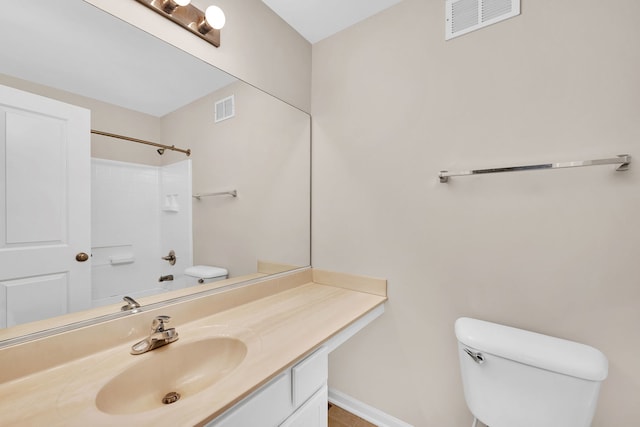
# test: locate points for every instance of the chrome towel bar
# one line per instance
(623, 160)
(233, 193)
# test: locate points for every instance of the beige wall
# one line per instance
(256, 45)
(555, 251)
(262, 152)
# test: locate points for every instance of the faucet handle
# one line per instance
(157, 325)
(131, 304)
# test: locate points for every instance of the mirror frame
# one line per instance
(31, 331)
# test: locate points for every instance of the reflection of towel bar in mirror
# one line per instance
(623, 160)
(233, 193)
(142, 141)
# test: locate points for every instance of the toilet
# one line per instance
(516, 378)
(201, 274)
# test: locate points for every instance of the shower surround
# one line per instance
(138, 214)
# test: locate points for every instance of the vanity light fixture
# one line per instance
(206, 25)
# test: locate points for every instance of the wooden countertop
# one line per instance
(278, 329)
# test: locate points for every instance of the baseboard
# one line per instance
(364, 411)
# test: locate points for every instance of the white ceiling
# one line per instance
(319, 19)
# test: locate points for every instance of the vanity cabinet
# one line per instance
(295, 398)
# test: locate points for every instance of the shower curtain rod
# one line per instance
(142, 141)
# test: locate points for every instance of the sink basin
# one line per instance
(182, 368)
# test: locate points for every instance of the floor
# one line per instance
(338, 417)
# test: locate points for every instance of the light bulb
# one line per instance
(169, 6)
(215, 17)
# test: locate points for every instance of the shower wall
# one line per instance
(139, 213)
(175, 220)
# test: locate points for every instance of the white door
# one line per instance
(45, 207)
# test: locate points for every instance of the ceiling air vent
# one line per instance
(464, 16)
(225, 108)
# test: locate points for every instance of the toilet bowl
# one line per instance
(201, 274)
(516, 378)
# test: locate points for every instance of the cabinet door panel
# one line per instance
(312, 414)
(309, 375)
(265, 408)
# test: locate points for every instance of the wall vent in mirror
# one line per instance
(225, 108)
(464, 16)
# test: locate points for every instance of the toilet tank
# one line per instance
(516, 378)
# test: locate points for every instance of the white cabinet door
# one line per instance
(265, 408)
(312, 414)
(309, 375)
(275, 404)
(45, 211)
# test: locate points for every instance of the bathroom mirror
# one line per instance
(240, 201)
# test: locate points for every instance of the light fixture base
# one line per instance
(188, 17)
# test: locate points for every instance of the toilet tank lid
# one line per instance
(205, 271)
(530, 348)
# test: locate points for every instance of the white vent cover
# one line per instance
(225, 108)
(464, 16)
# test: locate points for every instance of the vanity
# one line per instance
(255, 354)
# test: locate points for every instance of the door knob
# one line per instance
(82, 257)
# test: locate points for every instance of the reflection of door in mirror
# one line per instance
(44, 205)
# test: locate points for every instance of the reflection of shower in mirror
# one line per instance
(139, 212)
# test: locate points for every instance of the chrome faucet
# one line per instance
(160, 336)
